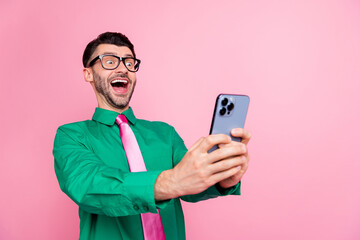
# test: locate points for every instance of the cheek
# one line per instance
(101, 78)
(132, 76)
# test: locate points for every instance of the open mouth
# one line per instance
(120, 85)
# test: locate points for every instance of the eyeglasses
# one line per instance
(110, 62)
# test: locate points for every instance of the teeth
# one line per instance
(118, 80)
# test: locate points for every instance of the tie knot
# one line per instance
(121, 119)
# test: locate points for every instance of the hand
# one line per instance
(234, 179)
(198, 170)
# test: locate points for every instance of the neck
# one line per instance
(111, 108)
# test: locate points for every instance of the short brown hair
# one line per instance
(115, 38)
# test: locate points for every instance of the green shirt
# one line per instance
(92, 169)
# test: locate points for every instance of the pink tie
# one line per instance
(151, 222)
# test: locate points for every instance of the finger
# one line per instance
(196, 144)
(244, 166)
(243, 169)
(213, 140)
(233, 144)
(242, 133)
(226, 164)
(247, 157)
(224, 175)
(231, 150)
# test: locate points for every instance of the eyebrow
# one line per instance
(126, 55)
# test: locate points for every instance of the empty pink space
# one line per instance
(299, 61)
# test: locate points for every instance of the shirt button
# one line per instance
(136, 207)
(146, 208)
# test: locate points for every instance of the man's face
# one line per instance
(113, 88)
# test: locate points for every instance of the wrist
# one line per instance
(165, 186)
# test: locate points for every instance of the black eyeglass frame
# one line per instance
(121, 59)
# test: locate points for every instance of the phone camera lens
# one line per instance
(230, 107)
(222, 111)
(224, 101)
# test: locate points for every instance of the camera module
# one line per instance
(222, 111)
(230, 107)
(224, 102)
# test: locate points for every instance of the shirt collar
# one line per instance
(108, 117)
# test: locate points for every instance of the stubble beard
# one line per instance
(103, 88)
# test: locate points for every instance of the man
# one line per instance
(92, 158)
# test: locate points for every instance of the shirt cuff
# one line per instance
(234, 190)
(140, 188)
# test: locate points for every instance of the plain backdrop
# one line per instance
(299, 61)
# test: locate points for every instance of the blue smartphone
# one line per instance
(229, 112)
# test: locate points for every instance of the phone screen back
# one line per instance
(230, 112)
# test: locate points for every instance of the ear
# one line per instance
(88, 75)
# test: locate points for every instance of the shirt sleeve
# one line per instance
(179, 150)
(96, 187)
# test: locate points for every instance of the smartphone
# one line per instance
(229, 112)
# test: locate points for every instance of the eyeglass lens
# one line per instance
(112, 62)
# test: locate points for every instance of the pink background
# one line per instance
(299, 61)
